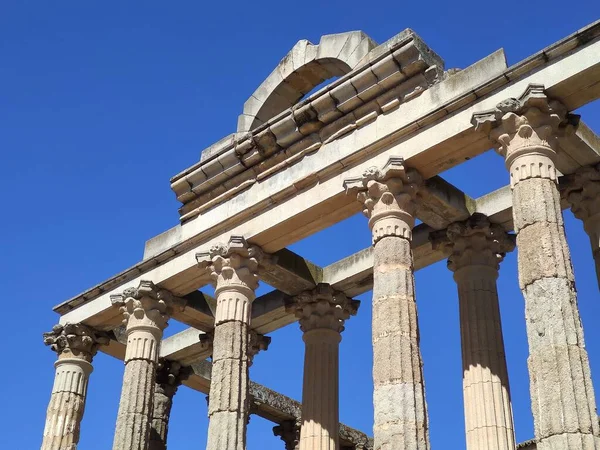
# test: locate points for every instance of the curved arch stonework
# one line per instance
(304, 67)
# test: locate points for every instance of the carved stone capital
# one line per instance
(474, 242)
(169, 376)
(234, 264)
(323, 307)
(388, 196)
(582, 190)
(527, 129)
(257, 343)
(75, 340)
(146, 306)
(289, 432)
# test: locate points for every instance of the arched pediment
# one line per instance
(303, 68)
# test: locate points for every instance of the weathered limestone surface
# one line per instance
(322, 313)
(169, 376)
(146, 310)
(562, 394)
(75, 345)
(388, 195)
(583, 194)
(234, 270)
(475, 248)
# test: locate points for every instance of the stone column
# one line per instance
(169, 375)
(75, 345)
(289, 432)
(582, 191)
(401, 420)
(146, 310)
(322, 313)
(475, 249)
(234, 270)
(562, 395)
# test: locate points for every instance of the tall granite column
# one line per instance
(389, 195)
(146, 310)
(169, 375)
(582, 191)
(75, 346)
(475, 249)
(562, 395)
(322, 313)
(234, 269)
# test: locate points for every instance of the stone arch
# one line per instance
(303, 68)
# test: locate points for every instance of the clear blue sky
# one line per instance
(102, 102)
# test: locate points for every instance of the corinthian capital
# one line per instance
(388, 196)
(75, 340)
(582, 190)
(234, 263)
(170, 375)
(530, 124)
(146, 306)
(475, 241)
(323, 307)
(257, 343)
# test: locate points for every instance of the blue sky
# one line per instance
(102, 102)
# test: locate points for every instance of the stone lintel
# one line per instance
(93, 306)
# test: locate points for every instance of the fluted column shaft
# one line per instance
(169, 376)
(320, 391)
(234, 270)
(322, 313)
(146, 311)
(488, 411)
(475, 249)
(582, 191)
(562, 394)
(401, 421)
(75, 346)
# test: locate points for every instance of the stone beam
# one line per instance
(432, 131)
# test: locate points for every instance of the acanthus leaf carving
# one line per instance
(75, 339)
(475, 241)
(323, 307)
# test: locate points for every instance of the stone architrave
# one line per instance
(289, 432)
(146, 310)
(234, 269)
(562, 395)
(169, 375)
(322, 313)
(583, 194)
(389, 195)
(475, 249)
(75, 345)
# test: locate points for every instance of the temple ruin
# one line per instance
(373, 140)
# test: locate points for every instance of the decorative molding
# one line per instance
(582, 191)
(147, 305)
(527, 129)
(257, 343)
(475, 241)
(234, 263)
(75, 339)
(388, 196)
(323, 307)
(170, 375)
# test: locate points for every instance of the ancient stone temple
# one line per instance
(374, 141)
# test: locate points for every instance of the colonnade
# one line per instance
(525, 132)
